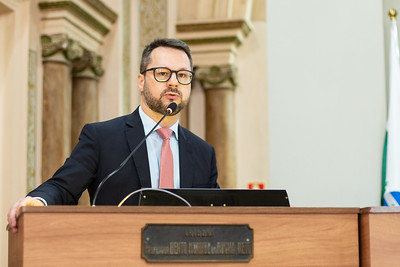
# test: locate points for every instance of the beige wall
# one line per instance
(110, 85)
(252, 109)
(327, 100)
(14, 44)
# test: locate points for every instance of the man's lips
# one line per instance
(171, 95)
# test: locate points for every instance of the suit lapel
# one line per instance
(185, 159)
(134, 135)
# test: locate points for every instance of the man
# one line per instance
(165, 77)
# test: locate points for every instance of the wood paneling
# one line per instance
(110, 236)
(380, 236)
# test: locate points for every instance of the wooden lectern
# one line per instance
(380, 236)
(112, 236)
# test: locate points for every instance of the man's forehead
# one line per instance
(170, 55)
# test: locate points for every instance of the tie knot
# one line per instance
(165, 133)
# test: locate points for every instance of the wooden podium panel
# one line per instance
(380, 236)
(111, 236)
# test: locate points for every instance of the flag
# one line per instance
(391, 155)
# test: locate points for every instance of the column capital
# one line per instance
(53, 44)
(61, 48)
(217, 77)
(88, 65)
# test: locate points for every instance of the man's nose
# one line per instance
(173, 80)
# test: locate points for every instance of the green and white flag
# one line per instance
(391, 155)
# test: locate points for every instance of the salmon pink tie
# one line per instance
(167, 160)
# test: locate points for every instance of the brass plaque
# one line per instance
(197, 243)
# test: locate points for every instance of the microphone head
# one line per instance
(171, 108)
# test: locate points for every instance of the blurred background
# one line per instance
(291, 93)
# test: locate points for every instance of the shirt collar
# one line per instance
(148, 123)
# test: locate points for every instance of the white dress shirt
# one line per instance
(154, 143)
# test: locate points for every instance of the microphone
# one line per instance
(170, 109)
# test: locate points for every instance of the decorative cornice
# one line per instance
(77, 11)
(214, 42)
(7, 6)
(244, 25)
(211, 40)
(212, 77)
(104, 10)
(73, 51)
(205, 31)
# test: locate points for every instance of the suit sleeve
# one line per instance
(213, 172)
(78, 171)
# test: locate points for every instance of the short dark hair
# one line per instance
(165, 42)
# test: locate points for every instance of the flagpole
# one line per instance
(391, 155)
(392, 14)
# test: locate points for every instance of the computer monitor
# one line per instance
(214, 197)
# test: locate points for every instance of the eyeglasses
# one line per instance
(162, 74)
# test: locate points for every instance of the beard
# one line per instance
(157, 105)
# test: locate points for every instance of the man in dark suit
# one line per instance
(165, 77)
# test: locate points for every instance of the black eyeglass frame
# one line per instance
(170, 75)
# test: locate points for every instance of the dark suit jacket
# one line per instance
(101, 149)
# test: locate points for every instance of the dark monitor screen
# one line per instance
(214, 197)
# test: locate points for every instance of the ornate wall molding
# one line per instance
(103, 9)
(126, 19)
(86, 21)
(32, 122)
(214, 42)
(79, 12)
(241, 29)
(214, 25)
(153, 21)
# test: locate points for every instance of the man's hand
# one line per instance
(13, 212)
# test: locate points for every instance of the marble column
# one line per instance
(56, 116)
(57, 51)
(184, 117)
(84, 105)
(85, 99)
(219, 84)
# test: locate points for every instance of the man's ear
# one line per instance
(141, 82)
